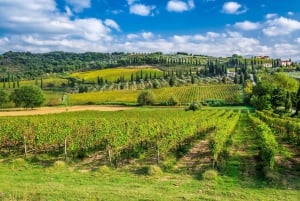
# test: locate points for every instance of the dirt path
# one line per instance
(53, 110)
(197, 159)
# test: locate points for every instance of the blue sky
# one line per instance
(210, 27)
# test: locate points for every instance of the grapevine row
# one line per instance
(267, 143)
(290, 129)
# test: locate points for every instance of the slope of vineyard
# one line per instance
(230, 94)
(115, 73)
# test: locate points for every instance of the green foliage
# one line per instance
(278, 96)
(261, 102)
(172, 81)
(173, 101)
(193, 106)
(154, 170)
(268, 144)
(210, 174)
(4, 98)
(146, 98)
(27, 96)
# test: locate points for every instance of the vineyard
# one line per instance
(121, 134)
(229, 94)
(240, 145)
(115, 73)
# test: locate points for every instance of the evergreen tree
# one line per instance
(288, 102)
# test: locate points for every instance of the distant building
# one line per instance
(285, 63)
(267, 65)
(262, 57)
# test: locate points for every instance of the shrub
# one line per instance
(193, 107)
(146, 98)
(154, 170)
(173, 101)
(210, 175)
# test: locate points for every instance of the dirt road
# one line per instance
(52, 110)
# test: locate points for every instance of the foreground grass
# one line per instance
(23, 181)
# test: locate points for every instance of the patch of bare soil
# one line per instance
(197, 159)
(53, 110)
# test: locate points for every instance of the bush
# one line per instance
(154, 170)
(173, 101)
(210, 175)
(28, 97)
(193, 107)
(146, 98)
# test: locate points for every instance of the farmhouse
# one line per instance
(285, 62)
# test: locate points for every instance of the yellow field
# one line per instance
(113, 74)
(185, 94)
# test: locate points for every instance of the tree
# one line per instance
(146, 98)
(28, 96)
(278, 96)
(173, 101)
(172, 81)
(288, 102)
(3, 97)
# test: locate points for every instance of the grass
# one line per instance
(35, 183)
(115, 73)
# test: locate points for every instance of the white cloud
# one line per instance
(147, 35)
(132, 36)
(79, 5)
(297, 40)
(130, 2)
(281, 26)
(112, 24)
(271, 15)
(247, 25)
(140, 9)
(232, 7)
(180, 6)
(68, 11)
(290, 13)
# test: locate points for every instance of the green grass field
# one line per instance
(115, 73)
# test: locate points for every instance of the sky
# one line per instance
(208, 27)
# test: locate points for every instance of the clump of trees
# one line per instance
(27, 97)
(277, 92)
(4, 98)
(146, 98)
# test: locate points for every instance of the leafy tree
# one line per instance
(27, 96)
(261, 102)
(248, 88)
(193, 106)
(278, 97)
(173, 101)
(172, 81)
(3, 97)
(146, 98)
